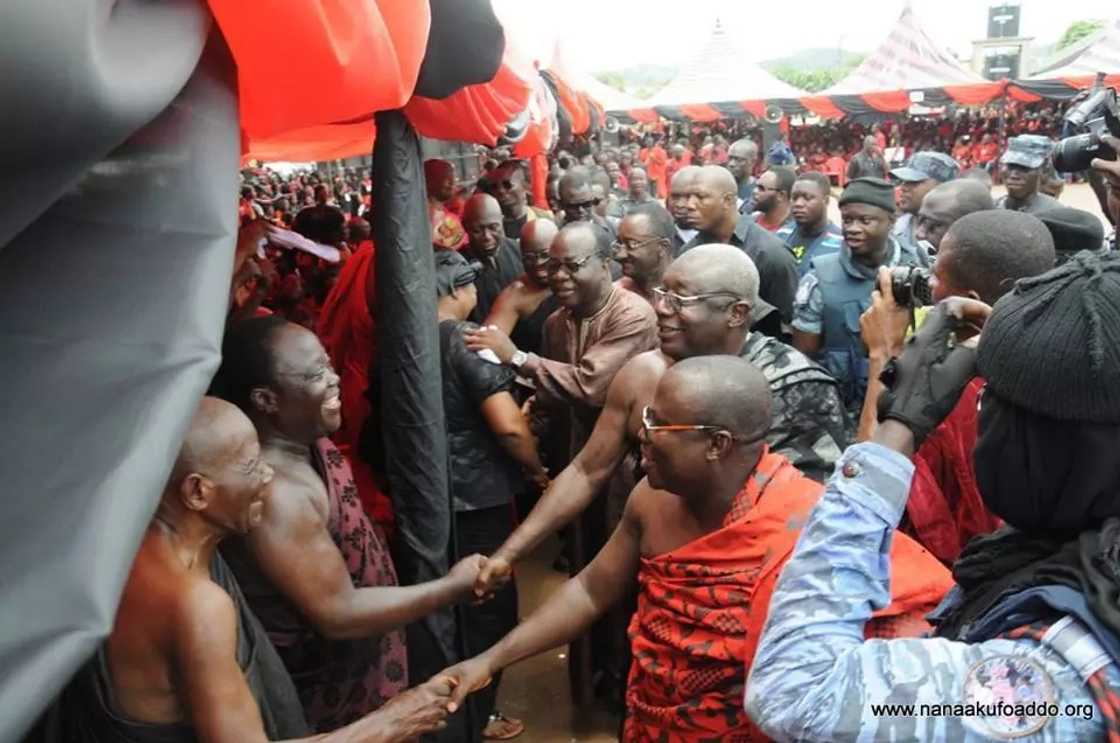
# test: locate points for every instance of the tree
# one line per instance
(814, 80)
(1077, 31)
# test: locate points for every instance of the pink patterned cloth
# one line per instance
(341, 681)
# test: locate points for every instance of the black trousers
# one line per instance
(483, 626)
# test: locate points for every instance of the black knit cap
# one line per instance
(1073, 230)
(873, 191)
(1052, 345)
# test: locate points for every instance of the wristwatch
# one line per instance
(519, 357)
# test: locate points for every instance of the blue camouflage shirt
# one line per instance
(815, 677)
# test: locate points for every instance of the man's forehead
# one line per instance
(635, 224)
(937, 206)
(573, 243)
(297, 347)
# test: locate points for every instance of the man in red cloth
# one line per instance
(980, 255)
(706, 535)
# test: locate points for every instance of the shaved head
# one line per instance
(684, 175)
(724, 391)
(718, 179)
(482, 207)
(718, 268)
(538, 234)
(216, 435)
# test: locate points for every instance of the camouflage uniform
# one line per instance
(810, 427)
(815, 677)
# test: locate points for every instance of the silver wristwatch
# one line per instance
(519, 357)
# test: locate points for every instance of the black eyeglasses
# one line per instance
(570, 267)
(675, 302)
(582, 205)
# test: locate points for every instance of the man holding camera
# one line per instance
(918, 177)
(837, 288)
(981, 256)
(1023, 163)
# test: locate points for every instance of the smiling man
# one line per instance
(644, 248)
(705, 535)
(314, 571)
(186, 660)
(703, 308)
(1023, 164)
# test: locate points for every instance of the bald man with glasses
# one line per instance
(705, 534)
(704, 307)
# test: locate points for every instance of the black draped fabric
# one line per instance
(528, 334)
(413, 435)
(120, 144)
(87, 712)
(465, 46)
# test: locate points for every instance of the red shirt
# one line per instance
(945, 509)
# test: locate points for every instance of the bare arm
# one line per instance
(222, 707)
(294, 550)
(568, 612)
(574, 488)
(869, 414)
(506, 310)
(504, 418)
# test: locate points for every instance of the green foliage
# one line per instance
(814, 80)
(614, 80)
(1077, 31)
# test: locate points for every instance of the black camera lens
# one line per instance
(910, 286)
(1073, 154)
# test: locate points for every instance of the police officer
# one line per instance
(1023, 164)
(919, 176)
(837, 288)
(1027, 644)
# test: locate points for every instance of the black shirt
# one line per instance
(482, 474)
(777, 268)
(497, 273)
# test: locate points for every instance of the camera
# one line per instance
(1094, 117)
(910, 286)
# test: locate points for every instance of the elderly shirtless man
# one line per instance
(178, 664)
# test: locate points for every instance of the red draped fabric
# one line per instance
(700, 112)
(822, 106)
(888, 102)
(976, 95)
(702, 606)
(477, 113)
(307, 64)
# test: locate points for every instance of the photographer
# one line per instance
(980, 257)
(1033, 618)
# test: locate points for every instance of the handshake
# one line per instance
(478, 578)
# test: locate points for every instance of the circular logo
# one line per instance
(1009, 696)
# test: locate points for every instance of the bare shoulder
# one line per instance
(202, 614)
(642, 372)
(298, 499)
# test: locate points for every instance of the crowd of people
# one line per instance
(801, 469)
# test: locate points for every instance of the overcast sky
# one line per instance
(610, 34)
